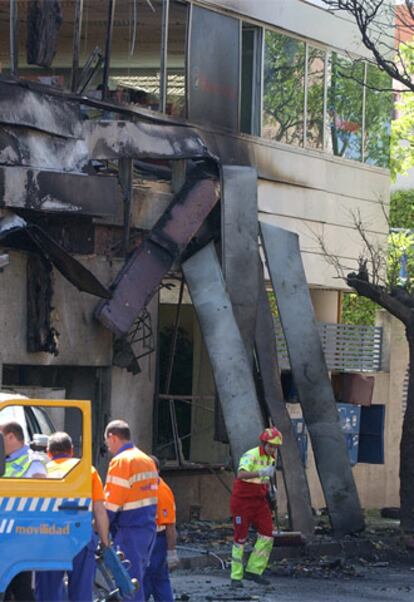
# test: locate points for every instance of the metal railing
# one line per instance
(347, 347)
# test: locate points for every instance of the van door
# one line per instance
(44, 523)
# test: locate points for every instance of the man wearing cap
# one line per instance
(249, 506)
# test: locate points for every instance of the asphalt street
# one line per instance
(385, 584)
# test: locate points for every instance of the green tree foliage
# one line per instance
(357, 310)
(402, 131)
(402, 209)
(400, 260)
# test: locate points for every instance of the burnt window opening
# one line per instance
(176, 102)
(181, 385)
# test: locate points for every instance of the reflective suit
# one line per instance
(131, 500)
(249, 506)
(157, 580)
(49, 584)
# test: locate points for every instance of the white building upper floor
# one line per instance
(279, 84)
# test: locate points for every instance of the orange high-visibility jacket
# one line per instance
(131, 488)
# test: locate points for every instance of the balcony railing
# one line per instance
(347, 348)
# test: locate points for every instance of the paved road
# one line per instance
(389, 584)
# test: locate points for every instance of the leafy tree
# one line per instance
(375, 20)
(357, 310)
(402, 209)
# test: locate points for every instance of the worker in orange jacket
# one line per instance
(131, 493)
(49, 584)
(164, 553)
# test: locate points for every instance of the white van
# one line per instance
(33, 419)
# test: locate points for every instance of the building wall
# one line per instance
(82, 341)
(85, 345)
(301, 18)
(321, 206)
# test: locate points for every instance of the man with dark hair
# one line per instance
(21, 463)
(49, 584)
(131, 499)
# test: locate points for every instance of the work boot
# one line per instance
(256, 578)
(236, 583)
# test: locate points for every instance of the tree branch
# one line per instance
(380, 296)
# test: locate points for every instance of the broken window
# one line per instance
(283, 88)
(134, 75)
(43, 37)
(174, 405)
(92, 47)
(250, 79)
(176, 59)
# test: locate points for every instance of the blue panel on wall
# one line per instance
(349, 417)
(301, 438)
(371, 439)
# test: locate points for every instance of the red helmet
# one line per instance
(271, 435)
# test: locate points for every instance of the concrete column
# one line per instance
(132, 396)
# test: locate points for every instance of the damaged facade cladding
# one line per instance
(118, 184)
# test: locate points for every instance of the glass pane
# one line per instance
(378, 113)
(176, 59)
(283, 88)
(27, 431)
(136, 51)
(249, 35)
(315, 99)
(345, 107)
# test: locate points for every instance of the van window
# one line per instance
(38, 427)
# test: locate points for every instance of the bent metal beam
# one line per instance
(226, 350)
(143, 272)
(311, 377)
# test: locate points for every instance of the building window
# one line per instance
(283, 89)
(315, 97)
(250, 79)
(345, 107)
(378, 113)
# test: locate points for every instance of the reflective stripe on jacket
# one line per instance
(252, 461)
(58, 469)
(16, 468)
(131, 488)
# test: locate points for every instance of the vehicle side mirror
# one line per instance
(2, 456)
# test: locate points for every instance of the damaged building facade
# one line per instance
(141, 144)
